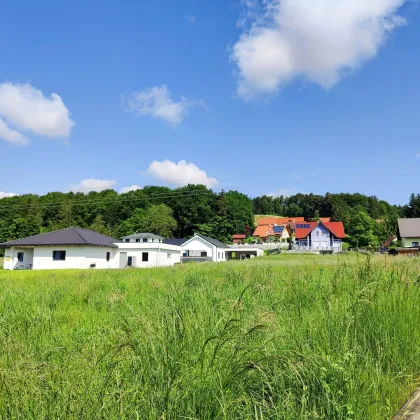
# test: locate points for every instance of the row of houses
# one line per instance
(76, 248)
(323, 234)
(301, 234)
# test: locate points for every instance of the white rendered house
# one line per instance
(201, 248)
(75, 248)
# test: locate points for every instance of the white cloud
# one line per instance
(418, 155)
(26, 108)
(10, 135)
(297, 177)
(92, 184)
(319, 40)
(5, 194)
(157, 103)
(125, 190)
(285, 192)
(191, 19)
(180, 174)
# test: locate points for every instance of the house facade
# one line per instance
(143, 238)
(202, 248)
(76, 248)
(409, 232)
(238, 238)
(277, 229)
(319, 236)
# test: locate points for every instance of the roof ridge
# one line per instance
(77, 231)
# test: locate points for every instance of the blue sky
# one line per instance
(293, 98)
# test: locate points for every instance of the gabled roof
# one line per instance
(175, 241)
(409, 228)
(213, 241)
(266, 221)
(301, 233)
(389, 241)
(336, 228)
(70, 236)
(263, 231)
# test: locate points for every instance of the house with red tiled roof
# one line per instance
(238, 238)
(279, 233)
(319, 236)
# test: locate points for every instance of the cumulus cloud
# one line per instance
(5, 194)
(156, 102)
(10, 135)
(91, 184)
(191, 19)
(125, 190)
(180, 174)
(318, 40)
(26, 108)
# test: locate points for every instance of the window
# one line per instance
(129, 261)
(20, 256)
(203, 253)
(218, 255)
(168, 256)
(317, 233)
(145, 256)
(126, 240)
(323, 233)
(413, 244)
(59, 255)
(137, 240)
(108, 256)
(144, 239)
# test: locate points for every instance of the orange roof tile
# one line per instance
(263, 231)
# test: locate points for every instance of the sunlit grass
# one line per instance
(280, 338)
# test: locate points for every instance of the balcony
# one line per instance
(195, 259)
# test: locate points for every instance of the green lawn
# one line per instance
(282, 337)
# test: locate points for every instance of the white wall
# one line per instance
(11, 258)
(134, 240)
(160, 255)
(199, 244)
(76, 257)
(81, 257)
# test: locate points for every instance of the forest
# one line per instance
(181, 212)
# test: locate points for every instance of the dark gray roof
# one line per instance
(175, 241)
(409, 228)
(143, 235)
(213, 241)
(70, 236)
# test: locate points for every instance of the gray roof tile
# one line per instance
(70, 236)
(409, 228)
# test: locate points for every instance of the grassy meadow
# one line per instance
(282, 337)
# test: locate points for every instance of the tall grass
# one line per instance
(235, 341)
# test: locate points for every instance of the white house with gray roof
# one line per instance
(76, 248)
(409, 232)
(143, 238)
(203, 248)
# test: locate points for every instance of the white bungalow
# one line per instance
(81, 248)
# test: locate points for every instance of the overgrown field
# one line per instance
(282, 338)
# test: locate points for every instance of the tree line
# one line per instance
(183, 211)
